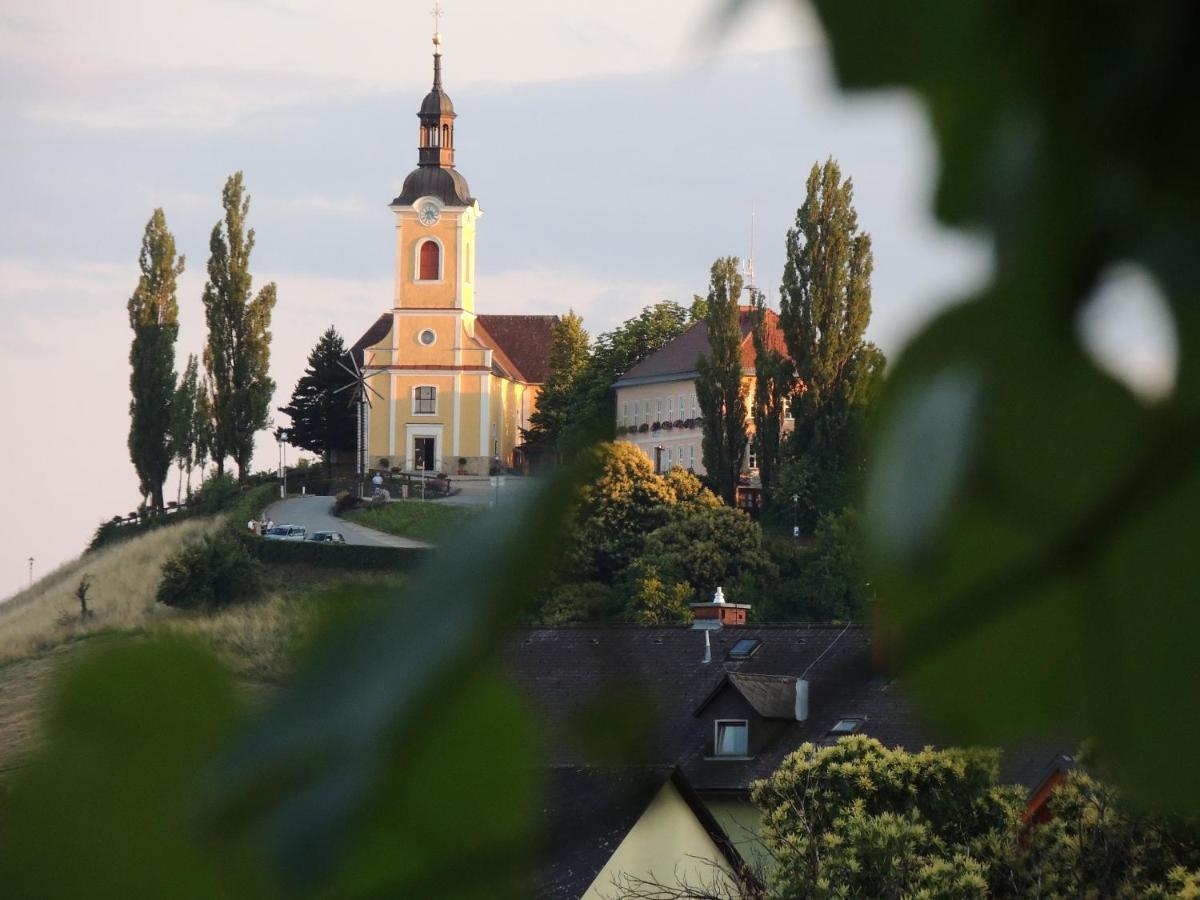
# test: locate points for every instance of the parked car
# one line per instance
(286, 533)
(328, 537)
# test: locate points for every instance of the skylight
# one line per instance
(846, 726)
(744, 648)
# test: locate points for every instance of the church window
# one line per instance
(430, 262)
(445, 135)
(425, 400)
(427, 337)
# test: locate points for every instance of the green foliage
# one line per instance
(154, 318)
(857, 819)
(1023, 504)
(210, 573)
(183, 422)
(774, 383)
(348, 557)
(833, 581)
(322, 419)
(418, 519)
(592, 403)
(568, 360)
(636, 536)
(202, 425)
(720, 390)
(237, 355)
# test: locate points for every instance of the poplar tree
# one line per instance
(238, 354)
(719, 387)
(154, 318)
(825, 306)
(568, 358)
(203, 426)
(323, 420)
(183, 423)
(773, 385)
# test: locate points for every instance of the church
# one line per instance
(457, 387)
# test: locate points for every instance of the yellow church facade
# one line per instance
(456, 387)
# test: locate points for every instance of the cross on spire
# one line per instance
(437, 22)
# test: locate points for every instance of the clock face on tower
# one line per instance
(428, 212)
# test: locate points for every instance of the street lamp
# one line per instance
(795, 515)
(282, 435)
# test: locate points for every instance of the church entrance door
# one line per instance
(423, 454)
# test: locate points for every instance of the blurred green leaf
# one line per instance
(104, 809)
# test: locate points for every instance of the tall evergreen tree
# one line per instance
(773, 385)
(323, 420)
(154, 318)
(183, 423)
(238, 354)
(719, 387)
(825, 307)
(568, 358)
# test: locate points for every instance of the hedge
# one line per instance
(337, 556)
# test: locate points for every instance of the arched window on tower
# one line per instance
(445, 135)
(430, 262)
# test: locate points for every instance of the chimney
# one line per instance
(717, 613)
(801, 700)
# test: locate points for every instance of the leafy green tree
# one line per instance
(720, 390)
(183, 423)
(658, 602)
(568, 359)
(202, 426)
(833, 578)
(238, 353)
(154, 318)
(592, 400)
(774, 382)
(322, 419)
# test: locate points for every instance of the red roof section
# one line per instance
(523, 340)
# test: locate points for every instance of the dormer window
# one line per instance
(731, 737)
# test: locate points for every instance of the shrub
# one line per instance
(211, 573)
(345, 502)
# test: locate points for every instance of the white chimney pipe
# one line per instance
(801, 700)
(707, 648)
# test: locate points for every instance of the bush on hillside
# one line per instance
(345, 502)
(211, 573)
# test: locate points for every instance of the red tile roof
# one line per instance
(524, 340)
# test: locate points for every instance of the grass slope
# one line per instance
(40, 629)
(422, 521)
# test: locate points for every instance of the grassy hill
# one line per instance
(41, 630)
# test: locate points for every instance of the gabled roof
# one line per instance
(379, 329)
(772, 696)
(525, 340)
(677, 358)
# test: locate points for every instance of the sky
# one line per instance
(616, 149)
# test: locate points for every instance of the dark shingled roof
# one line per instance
(525, 340)
(570, 673)
(678, 357)
(435, 181)
(372, 336)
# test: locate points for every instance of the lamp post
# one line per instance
(282, 435)
(658, 452)
(795, 515)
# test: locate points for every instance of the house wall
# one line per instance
(667, 842)
(664, 400)
(742, 822)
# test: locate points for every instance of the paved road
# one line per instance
(316, 514)
(481, 492)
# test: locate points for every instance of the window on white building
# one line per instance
(693, 406)
(625, 413)
(658, 409)
(753, 461)
(671, 408)
(692, 456)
